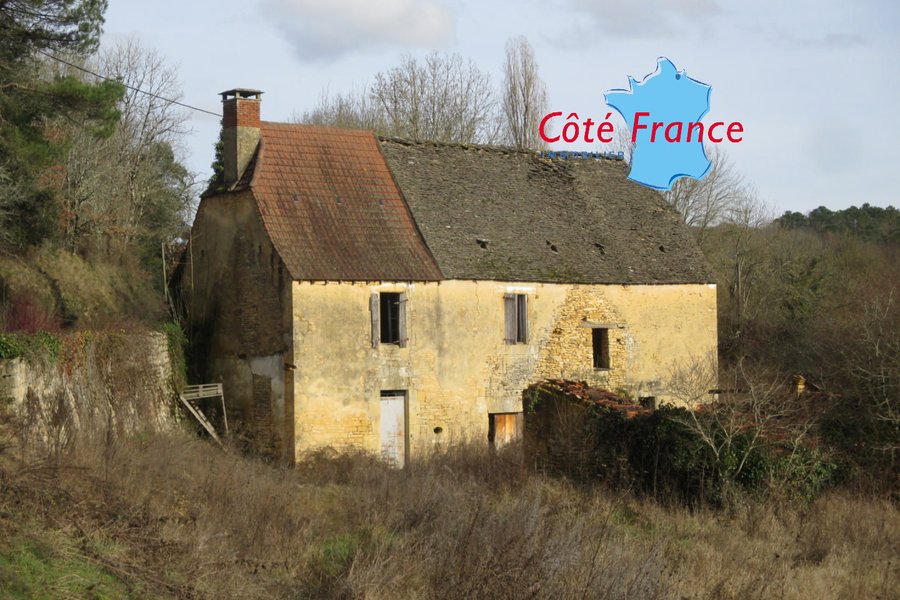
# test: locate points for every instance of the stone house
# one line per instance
(352, 291)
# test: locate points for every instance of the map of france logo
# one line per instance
(663, 112)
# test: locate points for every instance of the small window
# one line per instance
(515, 318)
(600, 337)
(388, 318)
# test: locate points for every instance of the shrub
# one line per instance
(21, 313)
(671, 454)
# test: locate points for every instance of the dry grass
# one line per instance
(66, 289)
(173, 516)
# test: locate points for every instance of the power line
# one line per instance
(130, 87)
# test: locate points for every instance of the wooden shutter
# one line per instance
(375, 310)
(401, 322)
(509, 318)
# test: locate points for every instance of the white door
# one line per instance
(393, 428)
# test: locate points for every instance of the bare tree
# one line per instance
(745, 250)
(353, 110)
(131, 183)
(717, 198)
(874, 363)
(150, 128)
(524, 95)
(441, 98)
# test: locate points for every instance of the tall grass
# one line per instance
(176, 517)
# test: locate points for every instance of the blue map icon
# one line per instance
(669, 96)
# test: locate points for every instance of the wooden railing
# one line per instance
(204, 390)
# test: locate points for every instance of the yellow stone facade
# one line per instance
(456, 367)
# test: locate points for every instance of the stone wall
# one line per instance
(235, 291)
(92, 386)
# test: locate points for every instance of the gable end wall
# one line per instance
(237, 292)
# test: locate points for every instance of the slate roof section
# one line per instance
(332, 209)
(494, 213)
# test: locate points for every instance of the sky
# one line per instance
(816, 84)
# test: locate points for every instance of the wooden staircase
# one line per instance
(191, 393)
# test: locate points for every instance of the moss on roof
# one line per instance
(497, 213)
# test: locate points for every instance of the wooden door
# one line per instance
(504, 428)
(393, 428)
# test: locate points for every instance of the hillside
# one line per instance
(48, 290)
(173, 517)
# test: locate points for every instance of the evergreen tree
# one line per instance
(33, 97)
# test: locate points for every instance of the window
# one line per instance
(515, 318)
(600, 338)
(388, 318)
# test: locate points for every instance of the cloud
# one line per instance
(821, 140)
(328, 29)
(836, 41)
(645, 19)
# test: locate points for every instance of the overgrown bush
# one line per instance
(822, 301)
(24, 314)
(673, 455)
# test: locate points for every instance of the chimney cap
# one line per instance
(244, 93)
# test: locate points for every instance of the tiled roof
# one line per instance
(332, 209)
(494, 213)
(331, 201)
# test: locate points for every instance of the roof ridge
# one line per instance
(501, 148)
(496, 149)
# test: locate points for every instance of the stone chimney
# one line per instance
(240, 131)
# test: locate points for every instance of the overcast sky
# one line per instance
(815, 83)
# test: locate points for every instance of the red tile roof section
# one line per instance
(332, 209)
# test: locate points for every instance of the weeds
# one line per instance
(15, 345)
(177, 342)
(173, 516)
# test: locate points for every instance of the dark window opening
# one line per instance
(515, 317)
(390, 317)
(521, 318)
(388, 311)
(601, 347)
